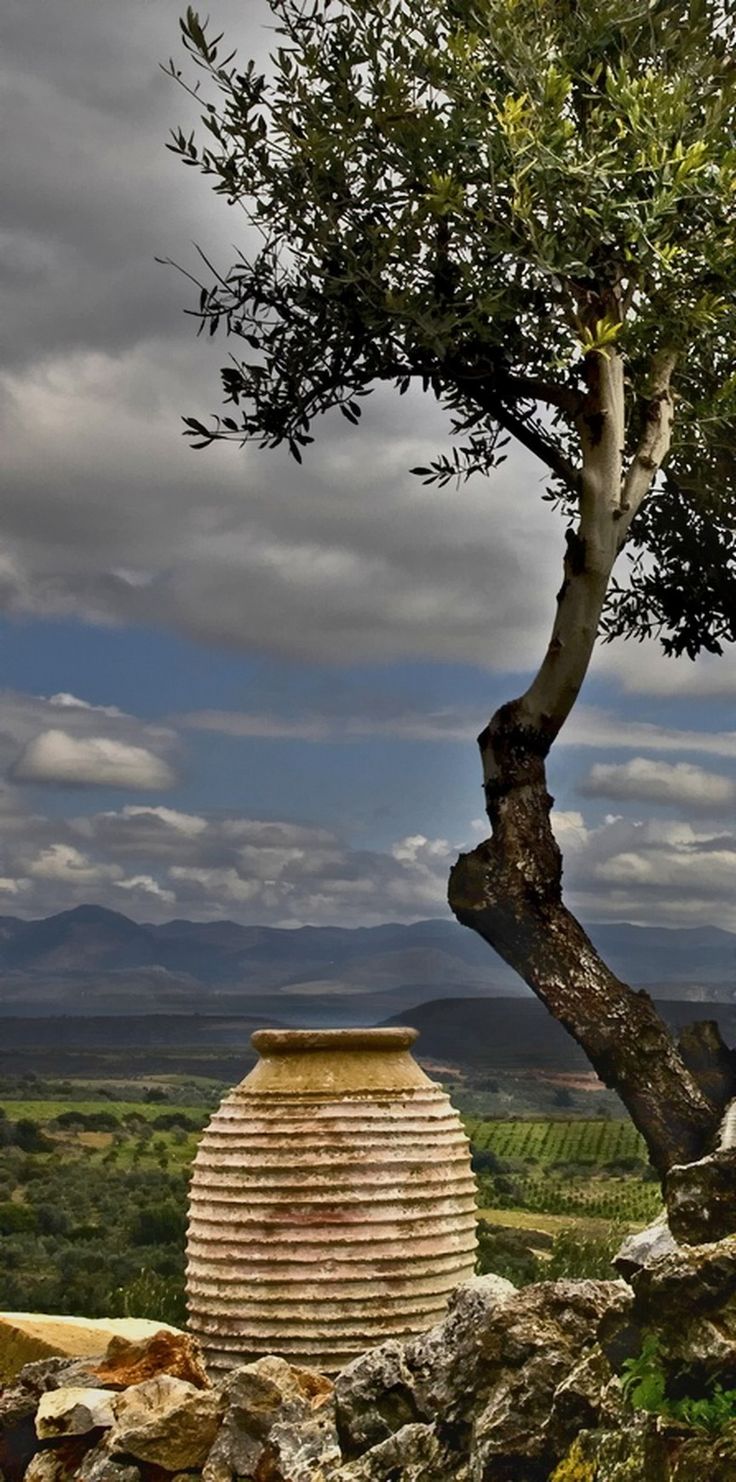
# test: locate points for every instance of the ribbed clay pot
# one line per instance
(332, 1203)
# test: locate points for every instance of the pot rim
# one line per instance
(302, 1041)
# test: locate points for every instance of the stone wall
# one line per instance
(512, 1386)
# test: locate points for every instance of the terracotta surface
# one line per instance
(332, 1203)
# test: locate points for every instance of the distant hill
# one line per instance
(519, 1034)
(94, 961)
(496, 1034)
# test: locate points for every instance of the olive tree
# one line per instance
(527, 207)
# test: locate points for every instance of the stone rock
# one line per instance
(413, 1454)
(644, 1247)
(701, 1198)
(504, 1382)
(589, 1396)
(632, 1455)
(26, 1336)
(164, 1352)
(278, 1425)
(166, 1422)
(99, 1466)
(499, 1367)
(59, 1464)
(21, 1398)
(374, 1397)
(445, 1362)
(689, 1300)
(72, 1412)
(648, 1450)
(18, 1405)
(300, 1451)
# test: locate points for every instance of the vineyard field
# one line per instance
(595, 1143)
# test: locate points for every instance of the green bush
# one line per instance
(576, 1255)
(151, 1295)
(16, 1218)
(158, 1224)
(645, 1386)
(504, 1252)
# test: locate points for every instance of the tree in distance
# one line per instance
(527, 208)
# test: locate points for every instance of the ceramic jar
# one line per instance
(332, 1203)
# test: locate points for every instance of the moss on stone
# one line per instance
(574, 1467)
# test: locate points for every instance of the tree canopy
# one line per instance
(485, 197)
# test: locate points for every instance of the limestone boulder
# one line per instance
(646, 1449)
(590, 1395)
(701, 1198)
(413, 1454)
(503, 1383)
(97, 1465)
(688, 1299)
(278, 1424)
(644, 1247)
(27, 1336)
(449, 1363)
(166, 1351)
(74, 1461)
(504, 1370)
(72, 1411)
(59, 1463)
(166, 1422)
(18, 1405)
(374, 1398)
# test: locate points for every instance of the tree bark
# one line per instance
(509, 889)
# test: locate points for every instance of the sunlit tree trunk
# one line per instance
(509, 889)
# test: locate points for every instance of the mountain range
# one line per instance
(93, 961)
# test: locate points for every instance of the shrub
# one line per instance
(577, 1255)
(16, 1218)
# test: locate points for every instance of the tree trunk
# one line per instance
(509, 889)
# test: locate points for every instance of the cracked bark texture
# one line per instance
(509, 889)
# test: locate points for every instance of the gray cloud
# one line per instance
(155, 862)
(590, 726)
(348, 721)
(648, 781)
(65, 740)
(643, 669)
(90, 761)
(649, 872)
(92, 195)
(107, 515)
(402, 725)
(346, 560)
(158, 862)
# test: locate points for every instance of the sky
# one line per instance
(230, 686)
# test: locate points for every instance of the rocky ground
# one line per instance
(513, 1386)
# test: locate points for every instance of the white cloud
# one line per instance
(148, 886)
(284, 874)
(91, 761)
(434, 725)
(182, 823)
(711, 871)
(644, 669)
(648, 781)
(569, 829)
(415, 848)
(605, 729)
(62, 862)
(64, 701)
(651, 871)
